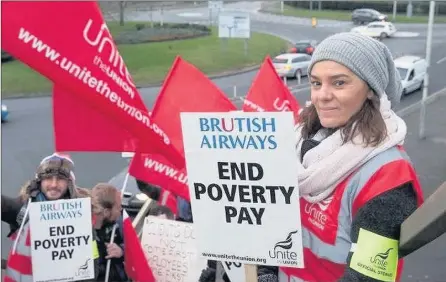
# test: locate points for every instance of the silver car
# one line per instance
(292, 65)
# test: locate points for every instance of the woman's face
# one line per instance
(337, 93)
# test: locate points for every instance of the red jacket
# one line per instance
(325, 224)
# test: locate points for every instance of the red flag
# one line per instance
(155, 169)
(79, 127)
(70, 44)
(169, 200)
(136, 264)
(268, 93)
(186, 89)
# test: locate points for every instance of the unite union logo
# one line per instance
(323, 205)
(83, 271)
(282, 250)
(316, 212)
(380, 259)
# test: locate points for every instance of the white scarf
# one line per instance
(330, 162)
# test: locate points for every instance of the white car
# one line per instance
(292, 65)
(412, 70)
(376, 29)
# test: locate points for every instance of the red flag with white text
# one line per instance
(136, 264)
(157, 170)
(186, 89)
(70, 44)
(268, 92)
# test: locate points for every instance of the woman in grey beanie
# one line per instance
(356, 182)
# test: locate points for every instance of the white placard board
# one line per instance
(170, 248)
(242, 171)
(234, 25)
(215, 5)
(235, 271)
(61, 240)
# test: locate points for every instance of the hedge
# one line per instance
(144, 33)
(419, 7)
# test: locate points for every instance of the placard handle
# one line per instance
(251, 272)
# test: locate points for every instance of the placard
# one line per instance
(61, 240)
(235, 271)
(242, 170)
(170, 248)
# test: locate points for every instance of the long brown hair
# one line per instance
(367, 122)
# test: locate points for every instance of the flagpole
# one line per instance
(107, 269)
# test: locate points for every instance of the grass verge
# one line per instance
(344, 15)
(149, 62)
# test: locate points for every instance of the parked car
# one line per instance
(412, 70)
(6, 56)
(364, 16)
(304, 47)
(5, 113)
(292, 65)
(376, 29)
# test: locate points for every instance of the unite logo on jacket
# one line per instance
(316, 212)
(321, 218)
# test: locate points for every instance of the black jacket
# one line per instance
(117, 270)
(10, 209)
(382, 215)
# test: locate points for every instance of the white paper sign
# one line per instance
(235, 271)
(170, 247)
(61, 240)
(234, 25)
(242, 170)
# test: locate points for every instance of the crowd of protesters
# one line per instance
(350, 155)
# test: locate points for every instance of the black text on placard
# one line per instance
(63, 245)
(243, 193)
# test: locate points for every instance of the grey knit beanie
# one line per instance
(366, 57)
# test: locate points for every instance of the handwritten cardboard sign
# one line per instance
(170, 247)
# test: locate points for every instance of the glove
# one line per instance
(267, 278)
(207, 275)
